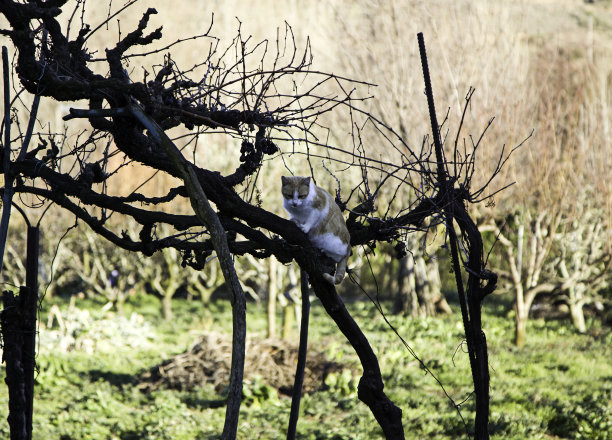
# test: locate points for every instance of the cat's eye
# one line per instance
(302, 196)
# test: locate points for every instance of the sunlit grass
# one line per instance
(560, 383)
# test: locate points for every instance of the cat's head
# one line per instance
(295, 190)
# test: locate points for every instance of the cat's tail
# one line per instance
(340, 271)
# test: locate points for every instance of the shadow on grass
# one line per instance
(137, 435)
(202, 402)
(193, 399)
(115, 379)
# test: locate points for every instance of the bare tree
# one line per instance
(583, 262)
(527, 254)
(554, 252)
(271, 101)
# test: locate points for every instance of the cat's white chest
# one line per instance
(306, 216)
(297, 213)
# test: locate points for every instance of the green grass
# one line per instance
(558, 386)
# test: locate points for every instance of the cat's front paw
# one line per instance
(333, 279)
(304, 228)
(330, 279)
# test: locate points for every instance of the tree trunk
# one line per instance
(205, 213)
(433, 275)
(296, 393)
(288, 320)
(406, 301)
(120, 296)
(400, 305)
(272, 293)
(371, 387)
(166, 307)
(18, 325)
(12, 336)
(28, 298)
(520, 327)
(470, 299)
(419, 288)
(576, 308)
(423, 287)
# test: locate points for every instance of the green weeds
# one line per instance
(558, 386)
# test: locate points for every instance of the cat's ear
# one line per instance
(307, 180)
(284, 180)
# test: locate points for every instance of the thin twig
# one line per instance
(6, 160)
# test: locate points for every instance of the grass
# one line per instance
(558, 386)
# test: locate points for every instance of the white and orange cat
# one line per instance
(316, 213)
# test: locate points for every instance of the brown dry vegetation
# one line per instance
(535, 65)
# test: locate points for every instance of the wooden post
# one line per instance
(12, 337)
(470, 300)
(29, 304)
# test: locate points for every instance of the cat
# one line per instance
(316, 213)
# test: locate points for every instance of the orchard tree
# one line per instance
(268, 101)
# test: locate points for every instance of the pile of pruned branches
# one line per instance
(208, 362)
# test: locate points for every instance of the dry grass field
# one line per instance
(536, 65)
